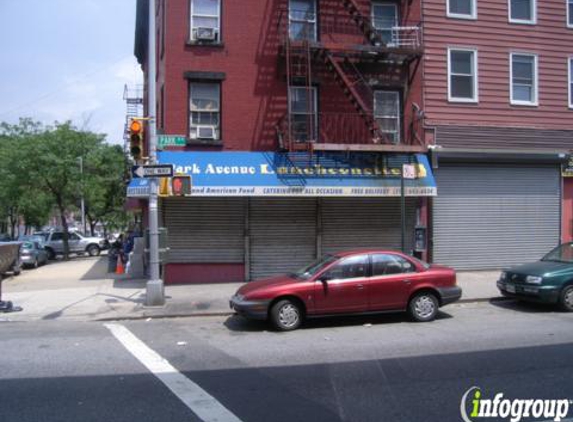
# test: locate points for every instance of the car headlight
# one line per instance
(533, 279)
(503, 276)
(239, 297)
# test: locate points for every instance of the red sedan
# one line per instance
(363, 281)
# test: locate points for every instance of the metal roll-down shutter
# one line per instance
(205, 230)
(282, 235)
(493, 216)
(351, 223)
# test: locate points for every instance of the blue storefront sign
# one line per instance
(297, 174)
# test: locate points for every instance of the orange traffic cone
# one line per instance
(119, 268)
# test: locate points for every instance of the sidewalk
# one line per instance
(81, 290)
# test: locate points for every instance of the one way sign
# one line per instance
(155, 170)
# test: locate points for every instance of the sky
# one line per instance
(68, 60)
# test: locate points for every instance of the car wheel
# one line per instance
(424, 307)
(567, 299)
(286, 315)
(51, 254)
(93, 250)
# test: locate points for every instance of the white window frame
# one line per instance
(313, 22)
(396, 14)
(569, 17)
(570, 80)
(314, 113)
(217, 127)
(471, 16)
(192, 26)
(398, 115)
(535, 101)
(533, 20)
(475, 99)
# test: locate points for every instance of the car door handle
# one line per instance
(360, 286)
(407, 281)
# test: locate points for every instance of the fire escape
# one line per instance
(305, 54)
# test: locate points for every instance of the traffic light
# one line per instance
(136, 139)
(181, 185)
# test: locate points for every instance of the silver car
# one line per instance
(77, 243)
(32, 254)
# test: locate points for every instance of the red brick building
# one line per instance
(329, 89)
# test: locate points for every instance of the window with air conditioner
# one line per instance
(205, 111)
(462, 9)
(522, 11)
(523, 73)
(302, 20)
(384, 20)
(462, 75)
(205, 20)
(387, 113)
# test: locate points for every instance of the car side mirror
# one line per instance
(324, 278)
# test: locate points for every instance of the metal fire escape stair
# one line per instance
(355, 89)
(363, 23)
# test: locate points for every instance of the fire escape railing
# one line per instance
(301, 47)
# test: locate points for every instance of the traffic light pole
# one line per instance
(155, 292)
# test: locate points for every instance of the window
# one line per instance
(74, 236)
(570, 84)
(387, 264)
(205, 111)
(302, 107)
(384, 18)
(205, 20)
(57, 236)
(352, 267)
(462, 75)
(523, 74)
(464, 9)
(522, 11)
(569, 13)
(387, 113)
(302, 20)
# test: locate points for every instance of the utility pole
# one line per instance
(155, 292)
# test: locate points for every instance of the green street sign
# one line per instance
(171, 140)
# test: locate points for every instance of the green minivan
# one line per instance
(549, 280)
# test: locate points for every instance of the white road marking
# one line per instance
(205, 406)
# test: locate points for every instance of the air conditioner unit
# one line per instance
(206, 132)
(205, 34)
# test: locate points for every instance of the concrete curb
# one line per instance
(229, 313)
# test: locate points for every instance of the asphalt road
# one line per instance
(382, 368)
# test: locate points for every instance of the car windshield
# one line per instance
(315, 267)
(562, 253)
(419, 261)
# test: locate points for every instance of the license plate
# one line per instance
(510, 288)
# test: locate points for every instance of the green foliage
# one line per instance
(40, 172)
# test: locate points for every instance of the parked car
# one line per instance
(549, 280)
(41, 239)
(5, 237)
(360, 281)
(77, 244)
(33, 254)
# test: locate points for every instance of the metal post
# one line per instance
(155, 292)
(83, 205)
(402, 211)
